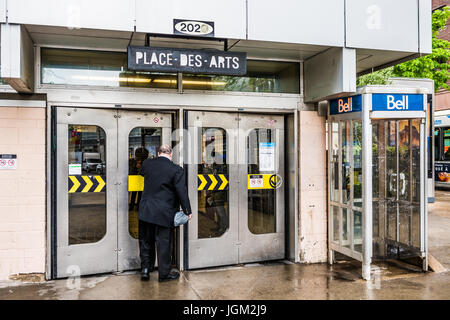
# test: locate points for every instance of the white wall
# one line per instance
(157, 16)
(329, 73)
(383, 24)
(95, 14)
(17, 57)
(297, 21)
(2, 11)
(374, 24)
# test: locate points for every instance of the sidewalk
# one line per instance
(276, 280)
(270, 281)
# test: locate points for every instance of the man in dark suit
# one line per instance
(164, 191)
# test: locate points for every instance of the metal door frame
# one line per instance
(122, 247)
(127, 120)
(339, 247)
(255, 247)
(200, 249)
(231, 243)
(74, 259)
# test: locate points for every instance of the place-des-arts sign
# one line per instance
(156, 59)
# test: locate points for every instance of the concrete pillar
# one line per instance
(312, 188)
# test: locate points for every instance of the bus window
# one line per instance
(437, 143)
(446, 150)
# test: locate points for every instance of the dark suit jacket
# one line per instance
(164, 191)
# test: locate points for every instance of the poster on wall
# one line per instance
(267, 156)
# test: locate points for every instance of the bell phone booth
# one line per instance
(377, 175)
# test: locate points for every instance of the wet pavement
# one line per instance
(281, 280)
(274, 280)
(439, 227)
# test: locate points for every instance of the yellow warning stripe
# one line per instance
(224, 184)
(212, 182)
(88, 183)
(135, 183)
(85, 183)
(101, 183)
(76, 184)
(204, 182)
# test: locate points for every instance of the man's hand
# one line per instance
(190, 216)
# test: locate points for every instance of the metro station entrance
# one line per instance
(235, 173)
(98, 155)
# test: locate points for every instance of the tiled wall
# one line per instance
(22, 192)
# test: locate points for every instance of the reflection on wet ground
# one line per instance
(275, 280)
(271, 280)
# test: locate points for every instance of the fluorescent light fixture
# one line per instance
(142, 80)
(115, 79)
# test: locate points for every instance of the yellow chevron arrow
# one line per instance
(224, 182)
(203, 180)
(76, 184)
(101, 184)
(213, 180)
(89, 184)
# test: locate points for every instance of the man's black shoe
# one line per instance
(145, 274)
(170, 276)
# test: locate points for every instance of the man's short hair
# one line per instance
(165, 148)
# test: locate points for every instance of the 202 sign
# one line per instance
(193, 28)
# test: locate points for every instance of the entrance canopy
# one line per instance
(377, 174)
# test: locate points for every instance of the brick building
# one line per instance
(443, 95)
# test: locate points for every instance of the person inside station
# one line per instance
(134, 165)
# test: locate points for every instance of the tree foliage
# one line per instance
(433, 66)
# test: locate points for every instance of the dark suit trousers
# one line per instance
(149, 234)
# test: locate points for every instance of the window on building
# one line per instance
(262, 76)
(102, 68)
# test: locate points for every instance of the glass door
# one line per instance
(139, 136)
(86, 199)
(99, 155)
(213, 189)
(397, 187)
(238, 162)
(261, 189)
(345, 182)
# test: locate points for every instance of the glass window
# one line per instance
(97, 68)
(213, 198)
(104, 68)
(345, 133)
(334, 192)
(335, 236)
(357, 161)
(262, 76)
(345, 228)
(357, 231)
(405, 135)
(87, 183)
(261, 159)
(391, 160)
(437, 143)
(143, 143)
(446, 148)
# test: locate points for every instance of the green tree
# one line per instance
(433, 66)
